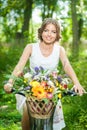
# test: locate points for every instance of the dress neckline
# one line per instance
(42, 54)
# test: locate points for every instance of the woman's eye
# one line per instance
(45, 30)
(49, 31)
(53, 31)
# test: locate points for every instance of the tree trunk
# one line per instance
(27, 17)
(75, 45)
(80, 24)
(80, 20)
(48, 8)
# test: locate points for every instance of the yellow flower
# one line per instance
(50, 90)
(25, 80)
(57, 83)
(34, 83)
(61, 87)
(59, 95)
(39, 92)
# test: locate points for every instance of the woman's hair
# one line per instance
(45, 23)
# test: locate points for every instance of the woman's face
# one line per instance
(49, 34)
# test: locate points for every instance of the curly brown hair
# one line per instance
(45, 23)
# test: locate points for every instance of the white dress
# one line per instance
(50, 63)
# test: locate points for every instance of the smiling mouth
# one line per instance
(49, 38)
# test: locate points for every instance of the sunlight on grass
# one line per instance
(10, 119)
(10, 126)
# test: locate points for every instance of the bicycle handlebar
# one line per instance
(68, 93)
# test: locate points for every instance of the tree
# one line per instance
(48, 7)
(18, 11)
(75, 45)
(27, 16)
(16, 17)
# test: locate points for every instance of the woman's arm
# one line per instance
(23, 59)
(69, 70)
(19, 67)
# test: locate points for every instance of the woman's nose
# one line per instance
(49, 33)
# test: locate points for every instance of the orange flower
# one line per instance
(39, 92)
(43, 83)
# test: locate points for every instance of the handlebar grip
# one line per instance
(12, 90)
(17, 92)
(70, 93)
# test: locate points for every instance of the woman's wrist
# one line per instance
(77, 83)
(10, 81)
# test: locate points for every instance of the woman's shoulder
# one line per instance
(62, 51)
(60, 46)
(30, 45)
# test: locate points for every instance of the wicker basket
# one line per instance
(39, 109)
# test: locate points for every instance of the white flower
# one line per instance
(65, 81)
(50, 83)
(56, 90)
(27, 75)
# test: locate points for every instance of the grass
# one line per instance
(10, 119)
(75, 112)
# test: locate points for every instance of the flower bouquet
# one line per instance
(42, 91)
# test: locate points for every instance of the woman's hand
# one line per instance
(79, 89)
(8, 87)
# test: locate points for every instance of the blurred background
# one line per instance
(19, 22)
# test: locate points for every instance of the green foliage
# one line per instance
(7, 52)
(75, 112)
(7, 62)
(12, 16)
(9, 118)
(80, 69)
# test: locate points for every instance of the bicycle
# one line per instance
(41, 124)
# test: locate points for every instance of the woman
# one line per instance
(46, 53)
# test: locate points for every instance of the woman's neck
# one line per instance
(46, 45)
(46, 49)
